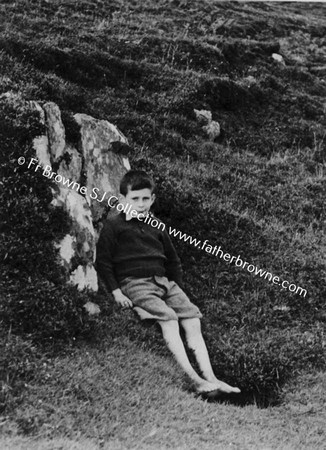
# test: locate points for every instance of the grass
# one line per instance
(94, 399)
(257, 191)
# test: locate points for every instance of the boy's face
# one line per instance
(140, 200)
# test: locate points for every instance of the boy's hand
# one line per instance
(121, 299)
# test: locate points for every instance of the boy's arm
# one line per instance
(173, 264)
(104, 257)
(104, 265)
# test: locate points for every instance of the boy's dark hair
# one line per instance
(136, 180)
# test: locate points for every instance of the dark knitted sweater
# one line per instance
(135, 249)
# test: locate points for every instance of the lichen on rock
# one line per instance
(103, 167)
(93, 164)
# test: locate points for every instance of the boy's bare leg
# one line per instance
(197, 344)
(171, 335)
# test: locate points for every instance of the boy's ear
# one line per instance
(153, 198)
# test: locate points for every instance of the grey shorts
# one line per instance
(158, 298)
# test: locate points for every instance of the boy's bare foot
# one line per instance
(216, 385)
(226, 388)
(205, 387)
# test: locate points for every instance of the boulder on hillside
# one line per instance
(278, 58)
(83, 174)
(103, 165)
(210, 127)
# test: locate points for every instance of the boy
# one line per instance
(139, 265)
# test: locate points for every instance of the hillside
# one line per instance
(257, 191)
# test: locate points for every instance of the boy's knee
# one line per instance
(168, 324)
(170, 332)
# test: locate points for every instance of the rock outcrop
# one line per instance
(103, 167)
(278, 58)
(209, 126)
(83, 173)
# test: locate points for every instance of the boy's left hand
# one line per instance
(121, 299)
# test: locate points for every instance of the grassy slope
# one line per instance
(259, 191)
(89, 399)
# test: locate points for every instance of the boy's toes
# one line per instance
(226, 388)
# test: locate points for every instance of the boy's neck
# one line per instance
(129, 217)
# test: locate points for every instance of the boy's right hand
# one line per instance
(121, 299)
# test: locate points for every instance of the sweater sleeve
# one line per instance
(173, 264)
(104, 257)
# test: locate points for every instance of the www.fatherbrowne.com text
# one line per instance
(238, 261)
(112, 201)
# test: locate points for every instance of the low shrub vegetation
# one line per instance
(35, 300)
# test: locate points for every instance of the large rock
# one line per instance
(80, 244)
(212, 129)
(95, 170)
(203, 116)
(209, 126)
(55, 131)
(103, 168)
(94, 166)
(278, 58)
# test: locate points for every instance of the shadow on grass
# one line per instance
(244, 399)
(260, 400)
